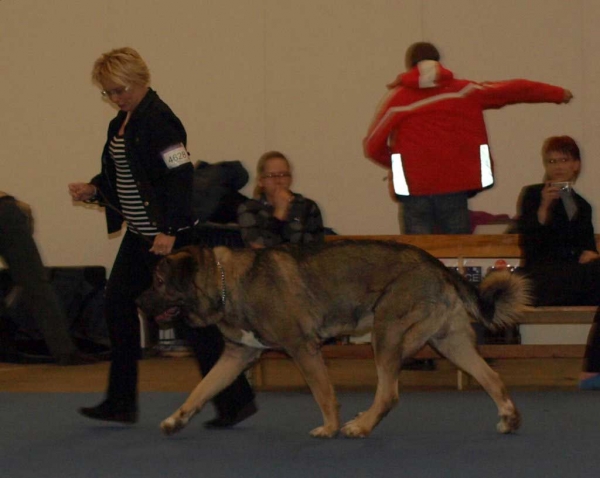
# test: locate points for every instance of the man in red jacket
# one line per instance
(431, 132)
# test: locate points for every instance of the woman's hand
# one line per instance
(163, 244)
(82, 191)
(549, 195)
(588, 256)
(282, 199)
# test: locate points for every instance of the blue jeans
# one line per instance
(436, 214)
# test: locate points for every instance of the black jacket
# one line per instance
(561, 239)
(166, 193)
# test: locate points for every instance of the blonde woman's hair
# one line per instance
(260, 168)
(123, 66)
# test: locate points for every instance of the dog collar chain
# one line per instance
(223, 293)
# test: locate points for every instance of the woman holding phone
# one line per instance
(558, 241)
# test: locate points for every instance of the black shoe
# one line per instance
(229, 421)
(105, 411)
(76, 358)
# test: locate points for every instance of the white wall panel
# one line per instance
(303, 77)
(327, 64)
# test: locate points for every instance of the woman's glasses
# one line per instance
(114, 92)
(276, 175)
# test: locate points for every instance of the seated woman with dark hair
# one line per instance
(559, 245)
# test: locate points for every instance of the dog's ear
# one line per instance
(183, 268)
(188, 266)
(162, 267)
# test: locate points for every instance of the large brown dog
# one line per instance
(293, 298)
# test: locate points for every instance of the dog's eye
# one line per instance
(159, 281)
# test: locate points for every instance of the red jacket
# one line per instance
(435, 125)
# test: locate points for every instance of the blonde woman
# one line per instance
(145, 181)
(277, 215)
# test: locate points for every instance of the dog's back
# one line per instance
(343, 283)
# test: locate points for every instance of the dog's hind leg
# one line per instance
(391, 345)
(315, 373)
(232, 362)
(459, 347)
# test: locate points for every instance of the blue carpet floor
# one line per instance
(430, 434)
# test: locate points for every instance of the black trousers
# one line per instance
(572, 284)
(591, 361)
(27, 271)
(130, 276)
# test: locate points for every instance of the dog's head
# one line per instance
(184, 285)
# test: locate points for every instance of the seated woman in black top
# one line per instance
(559, 245)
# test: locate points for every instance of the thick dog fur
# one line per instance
(293, 298)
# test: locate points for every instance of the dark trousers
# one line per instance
(566, 283)
(572, 284)
(27, 271)
(591, 362)
(130, 276)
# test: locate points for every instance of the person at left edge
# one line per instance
(147, 178)
(26, 269)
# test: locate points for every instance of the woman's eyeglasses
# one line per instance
(114, 92)
(276, 175)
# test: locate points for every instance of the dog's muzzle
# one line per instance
(168, 315)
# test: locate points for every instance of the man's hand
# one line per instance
(568, 96)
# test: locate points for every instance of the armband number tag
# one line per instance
(175, 156)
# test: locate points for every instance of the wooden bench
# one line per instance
(463, 248)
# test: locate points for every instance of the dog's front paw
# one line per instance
(324, 432)
(509, 423)
(175, 422)
(353, 430)
(171, 426)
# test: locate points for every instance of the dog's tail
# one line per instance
(502, 298)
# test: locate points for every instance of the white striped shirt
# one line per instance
(132, 206)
